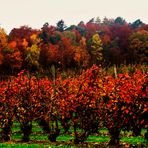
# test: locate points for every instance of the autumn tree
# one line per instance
(70, 35)
(34, 39)
(48, 35)
(66, 52)
(3, 37)
(91, 28)
(81, 27)
(96, 49)
(22, 36)
(10, 57)
(44, 55)
(32, 57)
(119, 40)
(77, 35)
(81, 56)
(12, 60)
(3, 42)
(1, 56)
(138, 48)
(21, 33)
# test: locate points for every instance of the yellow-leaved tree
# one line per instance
(32, 57)
(3, 37)
(96, 49)
(3, 42)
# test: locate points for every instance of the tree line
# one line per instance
(106, 43)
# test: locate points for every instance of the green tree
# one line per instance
(136, 24)
(120, 21)
(61, 26)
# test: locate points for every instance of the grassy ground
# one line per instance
(39, 139)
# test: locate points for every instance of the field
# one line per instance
(89, 110)
(100, 139)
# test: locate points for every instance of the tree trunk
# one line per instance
(26, 129)
(6, 131)
(115, 133)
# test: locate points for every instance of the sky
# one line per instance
(34, 13)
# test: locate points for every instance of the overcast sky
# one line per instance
(34, 13)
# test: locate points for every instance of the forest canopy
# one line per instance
(105, 43)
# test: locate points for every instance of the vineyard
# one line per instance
(78, 83)
(85, 103)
